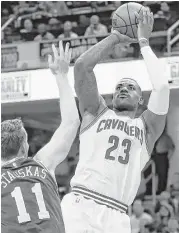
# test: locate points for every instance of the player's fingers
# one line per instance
(151, 19)
(69, 55)
(137, 16)
(67, 50)
(55, 52)
(148, 15)
(50, 60)
(144, 16)
(61, 50)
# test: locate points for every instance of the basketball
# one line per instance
(124, 19)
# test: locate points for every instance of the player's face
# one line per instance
(127, 95)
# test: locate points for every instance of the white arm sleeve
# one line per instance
(159, 98)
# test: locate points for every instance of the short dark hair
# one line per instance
(12, 137)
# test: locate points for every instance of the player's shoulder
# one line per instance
(89, 119)
(21, 162)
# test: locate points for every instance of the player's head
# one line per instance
(13, 140)
(127, 95)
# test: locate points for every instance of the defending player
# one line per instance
(29, 198)
(114, 145)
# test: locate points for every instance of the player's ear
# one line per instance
(141, 100)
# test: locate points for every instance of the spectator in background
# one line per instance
(67, 31)
(83, 23)
(139, 218)
(96, 28)
(163, 215)
(55, 26)
(28, 31)
(163, 150)
(43, 33)
(28, 26)
(170, 16)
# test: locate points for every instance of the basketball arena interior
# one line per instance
(28, 89)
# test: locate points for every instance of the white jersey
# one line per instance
(113, 152)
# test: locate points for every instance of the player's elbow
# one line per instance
(82, 64)
(79, 65)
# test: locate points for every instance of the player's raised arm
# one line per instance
(58, 147)
(158, 105)
(85, 81)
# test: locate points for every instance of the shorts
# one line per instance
(82, 215)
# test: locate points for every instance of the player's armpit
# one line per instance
(89, 119)
(54, 152)
(86, 88)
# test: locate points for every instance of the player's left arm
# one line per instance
(155, 116)
(57, 149)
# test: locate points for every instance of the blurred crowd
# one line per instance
(47, 20)
(159, 217)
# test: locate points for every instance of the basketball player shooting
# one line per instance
(114, 145)
(29, 193)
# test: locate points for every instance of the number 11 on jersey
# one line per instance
(23, 215)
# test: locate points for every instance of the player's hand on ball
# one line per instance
(145, 26)
(62, 58)
(123, 38)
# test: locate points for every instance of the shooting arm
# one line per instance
(158, 105)
(85, 80)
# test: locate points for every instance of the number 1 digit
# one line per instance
(23, 215)
(43, 213)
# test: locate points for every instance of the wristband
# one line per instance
(143, 39)
(143, 42)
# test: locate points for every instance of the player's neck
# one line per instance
(127, 113)
(8, 161)
(3, 162)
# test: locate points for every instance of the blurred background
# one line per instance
(28, 90)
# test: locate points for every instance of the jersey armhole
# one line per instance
(95, 119)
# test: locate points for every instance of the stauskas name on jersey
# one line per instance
(123, 126)
(29, 171)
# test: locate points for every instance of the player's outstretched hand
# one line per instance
(146, 21)
(62, 58)
(123, 38)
